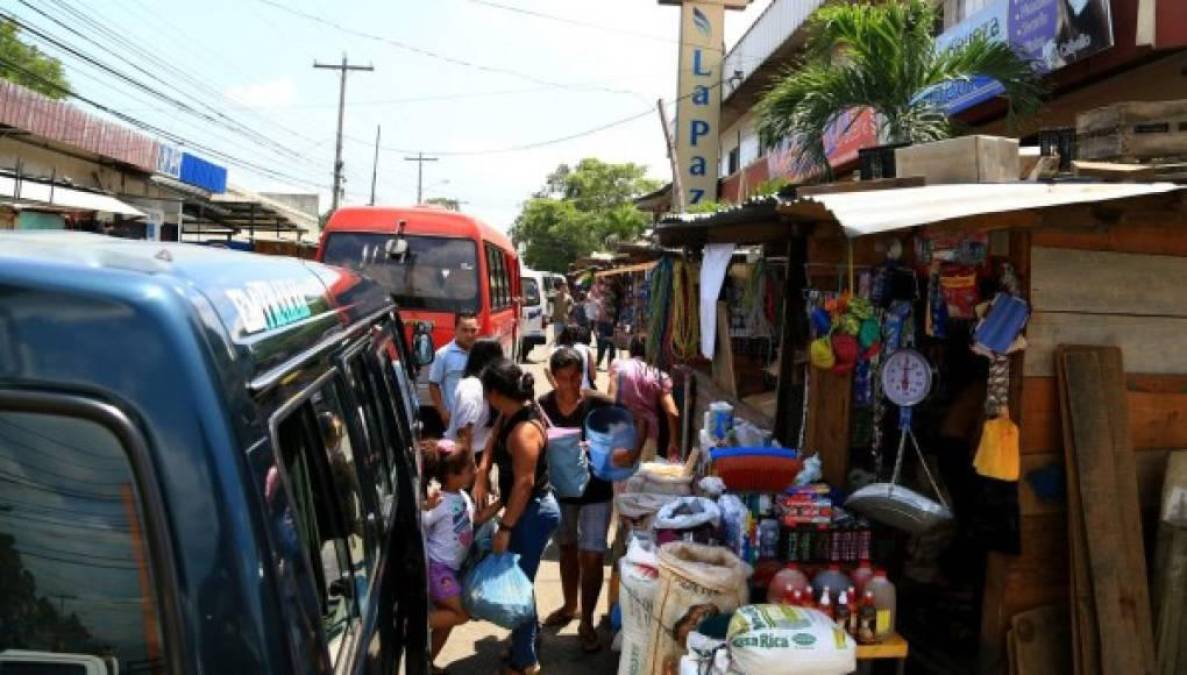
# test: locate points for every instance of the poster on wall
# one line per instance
(1051, 33)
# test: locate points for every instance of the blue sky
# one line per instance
(531, 79)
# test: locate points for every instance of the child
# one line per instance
(448, 521)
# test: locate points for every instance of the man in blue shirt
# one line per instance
(450, 363)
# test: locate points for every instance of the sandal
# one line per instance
(559, 619)
(590, 642)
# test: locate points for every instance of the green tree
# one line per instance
(579, 210)
(26, 65)
(883, 56)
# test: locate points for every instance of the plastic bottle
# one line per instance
(832, 576)
(786, 581)
(768, 539)
(862, 575)
(854, 612)
(867, 620)
(826, 604)
(884, 602)
(842, 613)
(822, 543)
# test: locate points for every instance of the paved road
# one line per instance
(477, 647)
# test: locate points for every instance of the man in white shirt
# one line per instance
(450, 363)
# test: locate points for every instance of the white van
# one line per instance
(534, 313)
(52, 663)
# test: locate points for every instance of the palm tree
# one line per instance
(883, 56)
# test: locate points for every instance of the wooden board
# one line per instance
(1170, 577)
(1157, 407)
(1157, 239)
(1150, 344)
(1042, 642)
(829, 397)
(1104, 282)
(893, 647)
(1096, 434)
(966, 159)
(1133, 129)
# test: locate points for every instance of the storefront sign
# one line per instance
(1051, 33)
(169, 160)
(699, 107)
(851, 131)
(204, 174)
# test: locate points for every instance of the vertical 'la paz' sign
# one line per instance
(698, 110)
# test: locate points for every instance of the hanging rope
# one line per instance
(658, 310)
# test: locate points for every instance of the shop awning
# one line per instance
(873, 212)
(36, 195)
(860, 212)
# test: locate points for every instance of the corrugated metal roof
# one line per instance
(34, 195)
(864, 213)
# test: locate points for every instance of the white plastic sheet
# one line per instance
(713, 268)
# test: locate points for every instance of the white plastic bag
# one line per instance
(639, 577)
(687, 513)
(706, 656)
(734, 515)
(787, 640)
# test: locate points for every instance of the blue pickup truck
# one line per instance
(207, 464)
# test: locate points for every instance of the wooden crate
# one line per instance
(1137, 130)
(967, 159)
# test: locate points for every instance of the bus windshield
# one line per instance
(437, 273)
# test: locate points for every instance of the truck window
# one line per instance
(379, 451)
(75, 563)
(330, 511)
(436, 273)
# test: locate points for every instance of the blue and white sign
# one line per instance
(169, 160)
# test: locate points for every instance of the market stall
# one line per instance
(922, 325)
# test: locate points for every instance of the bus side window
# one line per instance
(330, 515)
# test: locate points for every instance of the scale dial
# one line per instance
(906, 378)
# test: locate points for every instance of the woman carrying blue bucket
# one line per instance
(585, 518)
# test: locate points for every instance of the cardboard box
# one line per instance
(967, 159)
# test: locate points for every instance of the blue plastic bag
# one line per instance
(568, 465)
(498, 591)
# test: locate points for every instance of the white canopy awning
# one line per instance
(876, 211)
(39, 195)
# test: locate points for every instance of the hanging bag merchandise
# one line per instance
(568, 463)
(997, 454)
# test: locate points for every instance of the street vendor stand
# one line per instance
(1101, 264)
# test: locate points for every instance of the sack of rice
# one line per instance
(787, 640)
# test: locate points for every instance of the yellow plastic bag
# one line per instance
(997, 454)
(820, 352)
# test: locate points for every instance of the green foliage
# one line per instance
(445, 203)
(578, 211)
(772, 187)
(708, 206)
(883, 56)
(29, 67)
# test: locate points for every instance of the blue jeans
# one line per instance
(528, 539)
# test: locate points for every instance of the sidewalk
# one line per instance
(477, 648)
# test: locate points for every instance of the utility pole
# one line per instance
(342, 70)
(375, 164)
(420, 160)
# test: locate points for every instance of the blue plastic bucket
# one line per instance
(606, 429)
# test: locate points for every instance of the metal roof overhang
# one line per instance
(35, 195)
(857, 214)
(247, 210)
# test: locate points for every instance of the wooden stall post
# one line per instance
(789, 392)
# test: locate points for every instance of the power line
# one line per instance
(145, 126)
(439, 56)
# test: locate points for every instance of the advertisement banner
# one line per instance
(1051, 33)
(851, 131)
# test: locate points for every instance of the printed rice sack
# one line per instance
(639, 577)
(765, 639)
(695, 581)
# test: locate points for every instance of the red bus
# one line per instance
(447, 263)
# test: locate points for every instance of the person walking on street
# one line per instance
(530, 512)
(471, 419)
(604, 323)
(585, 520)
(449, 364)
(577, 339)
(562, 306)
(647, 392)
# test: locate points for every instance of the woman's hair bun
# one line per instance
(527, 386)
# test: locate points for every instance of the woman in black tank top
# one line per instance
(530, 513)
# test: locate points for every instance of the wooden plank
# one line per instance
(1104, 282)
(1150, 344)
(789, 391)
(829, 397)
(1042, 641)
(1093, 379)
(1150, 466)
(1085, 639)
(1170, 572)
(893, 647)
(965, 159)
(1157, 406)
(1158, 239)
